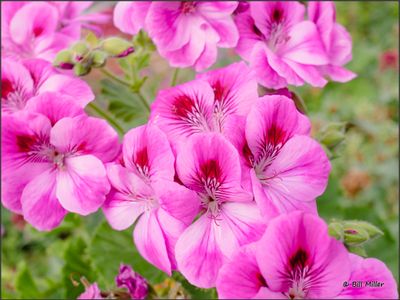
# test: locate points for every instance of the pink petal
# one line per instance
(74, 87)
(197, 253)
(241, 223)
(339, 74)
(327, 259)
(266, 293)
(216, 9)
(210, 51)
(240, 277)
(267, 73)
(369, 270)
(39, 203)
(180, 202)
(341, 44)
(304, 45)
(54, 106)
(298, 174)
(33, 20)
(308, 73)
(235, 89)
(183, 110)
(82, 184)
(129, 17)
(150, 241)
(86, 135)
(322, 13)
(40, 70)
(122, 206)
(273, 120)
(209, 148)
(148, 147)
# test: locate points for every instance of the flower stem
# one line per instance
(113, 77)
(175, 77)
(103, 114)
(143, 99)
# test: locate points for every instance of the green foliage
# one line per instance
(25, 285)
(109, 248)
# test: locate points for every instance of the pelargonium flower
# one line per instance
(284, 168)
(143, 189)
(205, 104)
(20, 81)
(187, 33)
(336, 40)
(136, 284)
(281, 46)
(30, 30)
(297, 259)
(227, 215)
(53, 159)
(91, 292)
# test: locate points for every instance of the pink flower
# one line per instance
(186, 33)
(91, 292)
(74, 14)
(336, 40)
(53, 159)
(282, 48)
(144, 190)
(206, 104)
(30, 30)
(228, 217)
(21, 81)
(297, 259)
(282, 165)
(136, 284)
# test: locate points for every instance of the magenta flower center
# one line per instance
(38, 149)
(189, 111)
(277, 30)
(142, 162)
(188, 7)
(299, 275)
(12, 99)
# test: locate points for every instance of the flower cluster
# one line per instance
(221, 183)
(281, 44)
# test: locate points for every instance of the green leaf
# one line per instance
(25, 284)
(77, 264)
(109, 248)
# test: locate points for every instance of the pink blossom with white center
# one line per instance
(205, 104)
(30, 30)
(53, 159)
(186, 33)
(21, 81)
(297, 259)
(336, 40)
(227, 216)
(280, 45)
(143, 189)
(284, 168)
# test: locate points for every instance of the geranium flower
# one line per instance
(297, 259)
(205, 104)
(187, 33)
(30, 30)
(144, 190)
(91, 292)
(285, 168)
(21, 81)
(228, 217)
(281, 46)
(132, 281)
(336, 40)
(53, 159)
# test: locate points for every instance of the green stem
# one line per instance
(143, 99)
(113, 77)
(103, 114)
(175, 77)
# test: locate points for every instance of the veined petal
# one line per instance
(129, 17)
(197, 253)
(82, 184)
(39, 202)
(150, 241)
(184, 110)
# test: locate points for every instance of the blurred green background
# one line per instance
(364, 182)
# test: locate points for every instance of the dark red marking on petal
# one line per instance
(183, 105)
(211, 169)
(277, 15)
(6, 88)
(247, 154)
(275, 135)
(257, 31)
(219, 91)
(25, 142)
(38, 31)
(261, 280)
(299, 259)
(142, 159)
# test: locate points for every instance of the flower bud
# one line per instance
(372, 230)
(333, 134)
(99, 58)
(136, 284)
(79, 50)
(355, 235)
(335, 230)
(81, 69)
(64, 60)
(117, 47)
